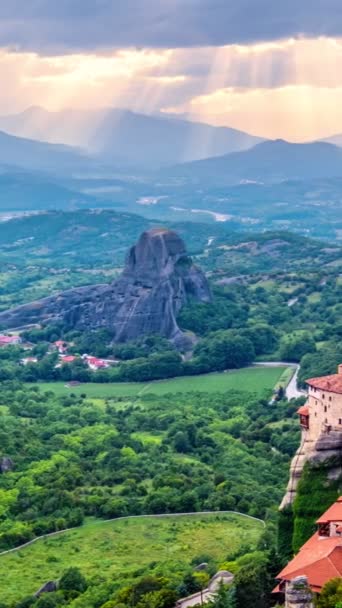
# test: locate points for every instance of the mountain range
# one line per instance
(127, 138)
(269, 161)
(34, 155)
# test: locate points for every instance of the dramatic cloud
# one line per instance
(76, 25)
(296, 113)
(271, 68)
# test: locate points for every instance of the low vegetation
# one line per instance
(120, 549)
(258, 380)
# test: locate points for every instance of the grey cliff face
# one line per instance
(6, 464)
(159, 278)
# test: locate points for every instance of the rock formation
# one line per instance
(6, 464)
(298, 593)
(321, 425)
(327, 449)
(158, 279)
(48, 587)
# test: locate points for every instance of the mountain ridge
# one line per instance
(129, 137)
(273, 161)
(30, 154)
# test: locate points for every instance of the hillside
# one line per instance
(170, 543)
(58, 250)
(78, 457)
(41, 156)
(270, 161)
(27, 191)
(126, 137)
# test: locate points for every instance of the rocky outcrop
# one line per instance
(327, 449)
(158, 279)
(298, 593)
(6, 464)
(48, 587)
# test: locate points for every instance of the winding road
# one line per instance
(291, 390)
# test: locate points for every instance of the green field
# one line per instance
(116, 549)
(253, 379)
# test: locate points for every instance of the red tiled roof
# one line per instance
(320, 559)
(68, 359)
(8, 339)
(332, 384)
(303, 411)
(97, 362)
(334, 513)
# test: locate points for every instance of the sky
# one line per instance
(269, 67)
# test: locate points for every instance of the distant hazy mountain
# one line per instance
(40, 156)
(334, 139)
(125, 137)
(270, 161)
(69, 127)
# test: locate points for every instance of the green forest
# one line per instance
(73, 458)
(131, 440)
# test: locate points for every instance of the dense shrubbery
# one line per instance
(74, 458)
(321, 363)
(315, 494)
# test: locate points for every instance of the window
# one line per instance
(340, 420)
(323, 396)
(325, 408)
(330, 398)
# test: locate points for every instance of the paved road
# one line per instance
(195, 599)
(291, 391)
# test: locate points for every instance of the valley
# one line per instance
(254, 380)
(170, 304)
(144, 309)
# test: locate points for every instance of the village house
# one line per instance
(94, 363)
(317, 562)
(9, 340)
(68, 358)
(61, 346)
(27, 360)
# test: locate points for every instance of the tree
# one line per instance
(331, 594)
(252, 586)
(294, 346)
(165, 598)
(73, 580)
(225, 350)
(181, 442)
(225, 597)
(47, 600)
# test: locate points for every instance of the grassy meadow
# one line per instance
(257, 380)
(116, 549)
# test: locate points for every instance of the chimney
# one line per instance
(339, 369)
